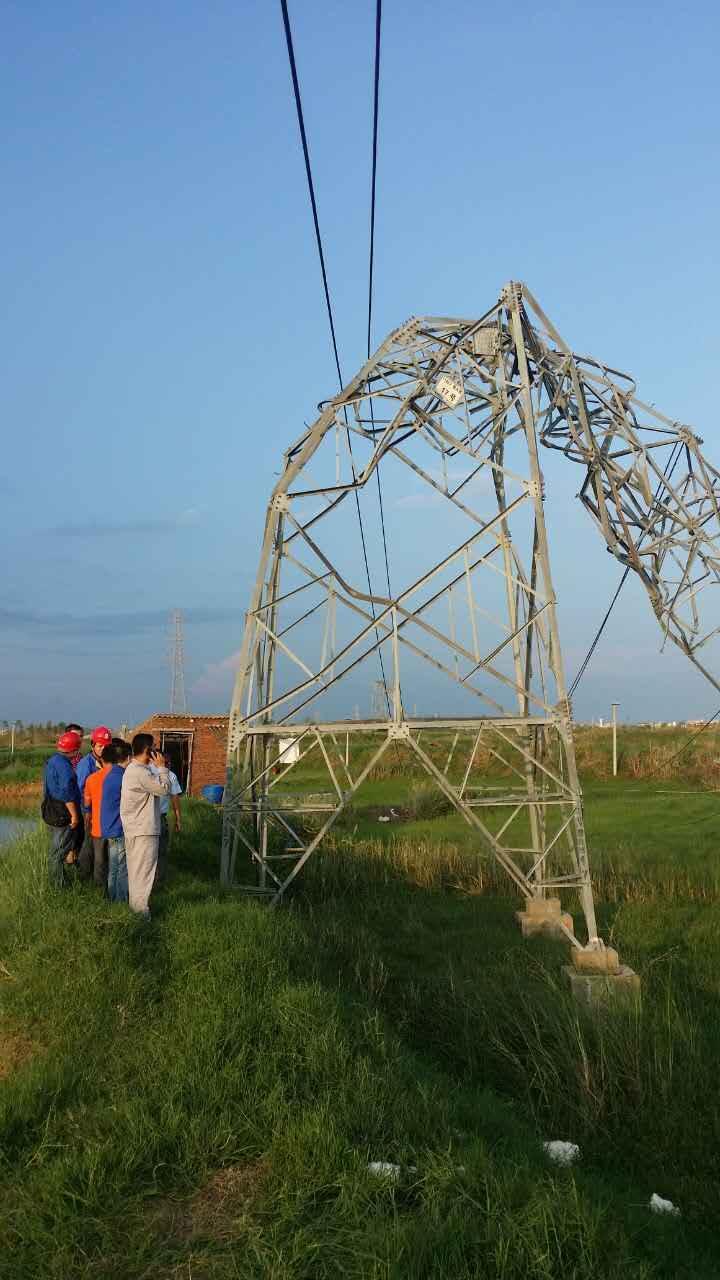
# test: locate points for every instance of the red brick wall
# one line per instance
(208, 757)
(209, 744)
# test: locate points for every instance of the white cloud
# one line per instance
(427, 499)
(217, 676)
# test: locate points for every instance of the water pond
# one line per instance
(13, 825)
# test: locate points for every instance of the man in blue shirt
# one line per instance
(61, 806)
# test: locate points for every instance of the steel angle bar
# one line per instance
(424, 475)
(329, 767)
(508, 822)
(462, 651)
(471, 761)
(256, 856)
(561, 831)
(344, 764)
(320, 515)
(509, 639)
(572, 881)
(303, 617)
(501, 854)
(540, 801)
(527, 755)
(285, 751)
(286, 649)
(288, 827)
(451, 753)
(305, 586)
(310, 849)
(507, 763)
(280, 729)
(388, 607)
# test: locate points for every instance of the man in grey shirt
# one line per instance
(140, 817)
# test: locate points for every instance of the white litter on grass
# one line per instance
(658, 1205)
(565, 1153)
(382, 1169)
(384, 817)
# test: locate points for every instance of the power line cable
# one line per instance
(373, 192)
(373, 183)
(311, 185)
(601, 628)
(326, 287)
(683, 749)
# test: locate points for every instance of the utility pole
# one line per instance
(178, 703)
(615, 706)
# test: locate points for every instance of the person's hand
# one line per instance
(74, 822)
(71, 857)
(178, 828)
(159, 760)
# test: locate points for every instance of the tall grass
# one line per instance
(200, 1096)
(20, 769)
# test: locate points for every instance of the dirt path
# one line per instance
(19, 792)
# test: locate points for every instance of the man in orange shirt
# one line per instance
(102, 814)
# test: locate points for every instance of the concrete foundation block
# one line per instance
(593, 990)
(542, 906)
(599, 959)
(543, 916)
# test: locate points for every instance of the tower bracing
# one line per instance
(453, 412)
(178, 701)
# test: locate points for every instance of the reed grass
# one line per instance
(200, 1096)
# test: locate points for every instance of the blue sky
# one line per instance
(164, 334)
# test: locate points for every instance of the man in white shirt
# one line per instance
(140, 817)
(165, 801)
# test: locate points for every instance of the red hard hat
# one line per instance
(69, 741)
(101, 734)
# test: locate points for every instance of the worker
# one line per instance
(61, 807)
(165, 802)
(102, 804)
(117, 883)
(140, 817)
(100, 738)
(76, 728)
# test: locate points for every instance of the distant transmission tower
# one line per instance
(178, 703)
(378, 703)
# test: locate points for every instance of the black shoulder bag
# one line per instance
(54, 812)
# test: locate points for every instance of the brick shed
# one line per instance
(195, 747)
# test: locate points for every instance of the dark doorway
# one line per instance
(178, 749)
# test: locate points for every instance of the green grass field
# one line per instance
(201, 1097)
(23, 765)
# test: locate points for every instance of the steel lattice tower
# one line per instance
(178, 702)
(455, 410)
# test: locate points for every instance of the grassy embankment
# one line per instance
(200, 1097)
(21, 773)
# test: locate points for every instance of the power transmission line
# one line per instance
(326, 287)
(373, 182)
(373, 187)
(690, 740)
